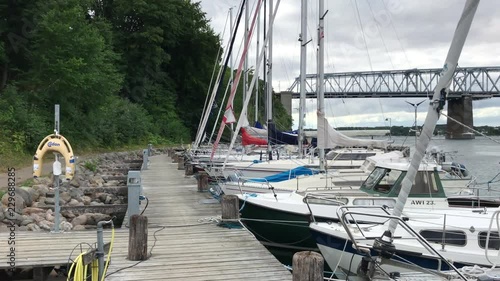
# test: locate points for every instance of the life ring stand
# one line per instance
(54, 143)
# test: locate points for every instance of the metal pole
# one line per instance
(321, 73)
(416, 128)
(303, 50)
(56, 121)
(100, 249)
(57, 209)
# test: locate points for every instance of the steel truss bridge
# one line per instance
(477, 82)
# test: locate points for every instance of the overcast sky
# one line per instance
(399, 35)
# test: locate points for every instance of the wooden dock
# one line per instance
(188, 244)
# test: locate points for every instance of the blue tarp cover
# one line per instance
(290, 174)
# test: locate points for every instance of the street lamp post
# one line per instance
(415, 106)
(390, 127)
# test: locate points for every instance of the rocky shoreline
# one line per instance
(97, 192)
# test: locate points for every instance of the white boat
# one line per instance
(463, 237)
(388, 251)
(390, 169)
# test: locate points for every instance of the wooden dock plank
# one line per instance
(201, 251)
(189, 244)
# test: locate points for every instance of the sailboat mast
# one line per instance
(229, 114)
(254, 79)
(321, 73)
(245, 64)
(303, 57)
(257, 70)
(231, 56)
(270, 123)
(436, 105)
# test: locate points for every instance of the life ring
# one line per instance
(54, 143)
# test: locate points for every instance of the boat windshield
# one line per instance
(382, 180)
(348, 156)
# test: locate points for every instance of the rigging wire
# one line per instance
(396, 32)
(472, 129)
(360, 22)
(214, 69)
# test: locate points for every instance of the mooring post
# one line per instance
(138, 238)
(145, 160)
(180, 163)
(134, 187)
(175, 157)
(188, 168)
(202, 179)
(307, 266)
(150, 150)
(230, 208)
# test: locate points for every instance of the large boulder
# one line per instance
(97, 181)
(76, 193)
(18, 202)
(42, 189)
(80, 220)
(33, 194)
(46, 225)
(32, 210)
(79, 227)
(33, 227)
(65, 226)
(94, 218)
(43, 180)
(65, 196)
(86, 200)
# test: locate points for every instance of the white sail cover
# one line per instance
(253, 131)
(328, 137)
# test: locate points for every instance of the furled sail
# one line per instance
(328, 137)
(248, 139)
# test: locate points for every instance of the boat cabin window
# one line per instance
(424, 184)
(348, 156)
(450, 237)
(331, 201)
(382, 180)
(375, 202)
(494, 240)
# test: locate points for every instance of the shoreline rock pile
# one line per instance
(97, 192)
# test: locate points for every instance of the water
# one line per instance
(481, 155)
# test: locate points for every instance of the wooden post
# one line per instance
(175, 157)
(41, 273)
(202, 181)
(307, 266)
(138, 238)
(230, 208)
(180, 164)
(189, 169)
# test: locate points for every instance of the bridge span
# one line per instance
(468, 84)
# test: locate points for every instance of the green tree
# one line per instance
(168, 51)
(71, 64)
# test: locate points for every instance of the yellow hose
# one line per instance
(109, 252)
(79, 270)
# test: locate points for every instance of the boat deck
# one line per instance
(183, 238)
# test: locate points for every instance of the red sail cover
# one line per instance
(247, 139)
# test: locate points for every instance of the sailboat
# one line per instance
(388, 250)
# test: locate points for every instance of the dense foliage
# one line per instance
(124, 72)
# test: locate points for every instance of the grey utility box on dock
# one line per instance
(134, 186)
